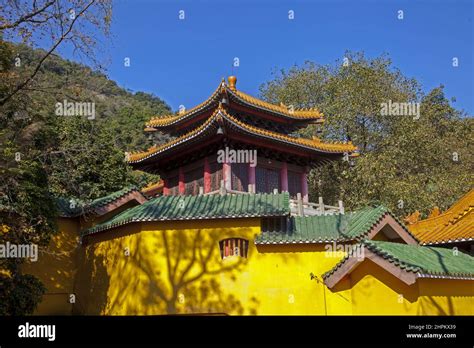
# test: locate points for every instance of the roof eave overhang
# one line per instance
(117, 203)
(352, 262)
(222, 119)
(448, 241)
(283, 115)
(177, 122)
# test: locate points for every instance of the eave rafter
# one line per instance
(221, 118)
(223, 91)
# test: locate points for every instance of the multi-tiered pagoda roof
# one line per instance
(230, 115)
(232, 119)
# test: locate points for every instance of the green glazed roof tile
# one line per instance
(73, 208)
(322, 228)
(200, 207)
(102, 201)
(423, 260)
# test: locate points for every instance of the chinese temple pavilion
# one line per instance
(236, 123)
(219, 234)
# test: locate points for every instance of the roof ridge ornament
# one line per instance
(232, 83)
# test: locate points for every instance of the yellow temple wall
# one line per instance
(376, 291)
(446, 297)
(269, 281)
(56, 268)
(172, 267)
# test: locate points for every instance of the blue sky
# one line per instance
(182, 61)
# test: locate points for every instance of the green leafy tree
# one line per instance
(27, 212)
(406, 163)
(78, 24)
(43, 154)
(84, 158)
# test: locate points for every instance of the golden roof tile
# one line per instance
(167, 120)
(455, 224)
(153, 188)
(303, 114)
(311, 113)
(315, 143)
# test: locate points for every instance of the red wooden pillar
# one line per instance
(284, 177)
(251, 179)
(227, 171)
(166, 189)
(182, 187)
(207, 176)
(304, 186)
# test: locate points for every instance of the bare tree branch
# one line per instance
(27, 17)
(51, 50)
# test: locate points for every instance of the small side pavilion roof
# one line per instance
(454, 225)
(406, 262)
(353, 226)
(101, 205)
